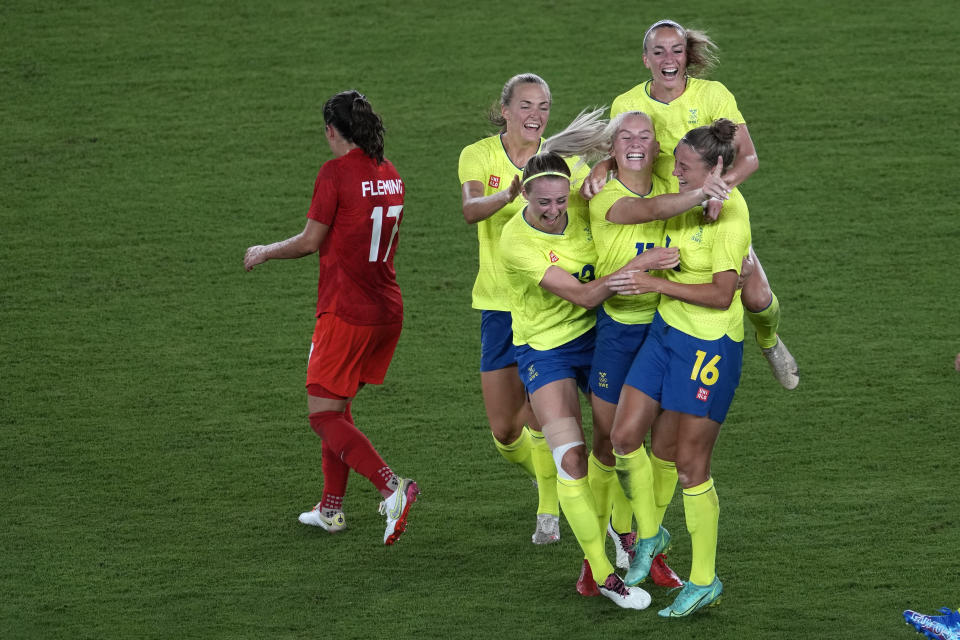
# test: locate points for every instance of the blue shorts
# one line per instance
(617, 347)
(496, 341)
(686, 374)
(571, 360)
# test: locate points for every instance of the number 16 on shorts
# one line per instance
(708, 373)
(713, 378)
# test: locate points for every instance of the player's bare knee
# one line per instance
(505, 430)
(691, 473)
(574, 462)
(756, 295)
(603, 449)
(624, 439)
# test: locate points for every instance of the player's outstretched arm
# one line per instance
(630, 210)
(302, 244)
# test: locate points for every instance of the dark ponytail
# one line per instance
(712, 141)
(353, 117)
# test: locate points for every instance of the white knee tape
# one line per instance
(562, 435)
(558, 454)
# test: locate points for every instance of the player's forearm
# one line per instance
(477, 209)
(711, 294)
(604, 167)
(591, 294)
(662, 207)
(297, 246)
(743, 168)
(746, 161)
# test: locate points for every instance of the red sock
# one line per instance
(347, 443)
(335, 474)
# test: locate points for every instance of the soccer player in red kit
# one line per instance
(352, 223)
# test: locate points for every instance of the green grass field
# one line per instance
(154, 450)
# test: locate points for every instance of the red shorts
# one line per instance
(344, 355)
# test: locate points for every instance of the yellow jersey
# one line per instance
(702, 102)
(617, 244)
(486, 161)
(706, 249)
(541, 319)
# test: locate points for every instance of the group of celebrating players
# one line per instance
(627, 281)
(663, 252)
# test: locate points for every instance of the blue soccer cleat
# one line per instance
(644, 551)
(945, 627)
(693, 597)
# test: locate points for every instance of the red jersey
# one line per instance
(362, 202)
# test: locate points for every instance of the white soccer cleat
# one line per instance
(396, 508)
(623, 596)
(783, 364)
(623, 544)
(315, 518)
(548, 529)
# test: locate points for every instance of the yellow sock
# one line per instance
(664, 484)
(766, 323)
(603, 481)
(581, 513)
(634, 473)
(622, 515)
(702, 510)
(518, 452)
(546, 471)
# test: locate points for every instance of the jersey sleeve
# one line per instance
(618, 106)
(472, 165)
(724, 105)
(323, 206)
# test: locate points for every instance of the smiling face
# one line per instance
(689, 168)
(547, 208)
(635, 145)
(665, 54)
(528, 112)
